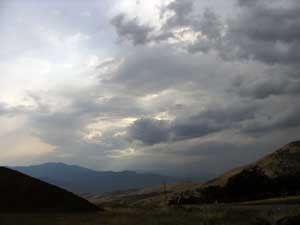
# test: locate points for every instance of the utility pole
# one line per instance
(165, 192)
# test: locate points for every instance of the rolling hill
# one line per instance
(21, 193)
(275, 175)
(86, 181)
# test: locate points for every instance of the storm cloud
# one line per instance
(179, 87)
(273, 34)
(211, 120)
(131, 30)
(259, 92)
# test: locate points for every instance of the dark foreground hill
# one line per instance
(21, 193)
(275, 175)
(86, 181)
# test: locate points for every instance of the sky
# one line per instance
(178, 87)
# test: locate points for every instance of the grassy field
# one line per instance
(278, 201)
(188, 215)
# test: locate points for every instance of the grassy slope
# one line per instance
(275, 175)
(205, 215)
(284, 161)
(275, 201)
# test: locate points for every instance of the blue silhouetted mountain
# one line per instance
(86, 181)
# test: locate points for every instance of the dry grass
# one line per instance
(275, 201)
(188, 215)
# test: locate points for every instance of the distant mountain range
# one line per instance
(21, 193)
(86, 181)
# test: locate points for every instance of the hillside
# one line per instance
(146, 197)
(21, 193)
(275, 175)
(86, 181)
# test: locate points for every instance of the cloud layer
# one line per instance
(193, 92)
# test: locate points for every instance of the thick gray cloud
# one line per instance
(64, 128)
(210, 25)
(207, 158)
(286, 119)
(183, 16)
(236, 79)
(267, 31)
(243, 68)
(149, 131)
(195, 95)
(211, 28)
(182, 13)
(131, 29)
(247, 2)
(264, 88)
(214, 119)
(150, 70)
(263, 30)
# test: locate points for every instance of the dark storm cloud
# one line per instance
(289, 118)
(247, 2)
(131, 30)
(211, 157)
(210, 25)
(268, 31)
(183, 16)
(215, 119)
(66, 128)
(182, 13)
(115, 105)
(149, 70)
(263, 32)
(214, 126)
(149, 131)
(272, 86)
(223, 98)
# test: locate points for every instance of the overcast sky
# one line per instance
(179, 87)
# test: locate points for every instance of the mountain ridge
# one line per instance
(82, 180)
